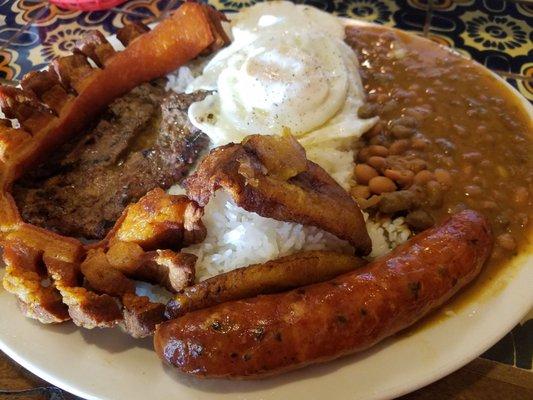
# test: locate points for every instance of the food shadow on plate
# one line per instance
(114, 340)
(111, 340)
(66, 328)
(225, 386)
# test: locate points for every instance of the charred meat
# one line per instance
(143, 141)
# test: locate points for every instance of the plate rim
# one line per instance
(423, 379)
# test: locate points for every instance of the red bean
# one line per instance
(404, 178)
(399, 146)
(402, 132)
(389, 106)
(506, 241)
(375, 130)
(420, 143)
(408, 121)
(381, 184)
(360, 192)
(434, 194)
(363, 173)
(473, 190)
(423, 177)
(377, 150)
(368, 110)
(379, 163)
(443, 177)
(363, 154)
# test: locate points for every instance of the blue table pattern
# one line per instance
(496, 33)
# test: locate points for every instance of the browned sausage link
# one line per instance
(274, 333)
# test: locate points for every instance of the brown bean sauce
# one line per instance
(455, 136)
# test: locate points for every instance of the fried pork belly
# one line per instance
(273, 276)
(44, 269)
(159, 221)
(95, 287)
(270, 175)
(38, 263)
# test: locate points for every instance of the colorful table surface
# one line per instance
(496, 33)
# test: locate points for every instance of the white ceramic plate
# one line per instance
(107, 364)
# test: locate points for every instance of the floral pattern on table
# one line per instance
(496, 33)
(8, 64)
(526, 86)
(60, 42)
(40, 11)
(501, 33)
(379, 11)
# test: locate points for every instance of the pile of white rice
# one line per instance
(237, 238)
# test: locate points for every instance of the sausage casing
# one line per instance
(270, 334)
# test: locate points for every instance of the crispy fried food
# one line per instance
(95, 46)
(33, 255)
(131, 32)
(43, 269)
(91, 310)
(141, 315)
(24, 274)
(270, 175)
(94, 286)
(102, 277)
(160, 221)
(273, 276)
(57, 103)
(173, 271)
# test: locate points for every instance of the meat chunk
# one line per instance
(95, 46)
(160, 221)
(24, 274)
(270, 175)
(141, 316)
(145, 140)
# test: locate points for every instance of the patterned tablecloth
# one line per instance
(498, 34)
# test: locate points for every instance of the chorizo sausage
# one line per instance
(271, 334)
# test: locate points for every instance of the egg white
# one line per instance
(287, 69)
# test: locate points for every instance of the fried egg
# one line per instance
(287, 69)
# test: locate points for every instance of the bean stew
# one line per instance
(450, 137)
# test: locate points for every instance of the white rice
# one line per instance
(386, 234)
(237, 238)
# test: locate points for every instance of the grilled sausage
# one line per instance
(271, 334)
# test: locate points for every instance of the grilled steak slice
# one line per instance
(143, 141)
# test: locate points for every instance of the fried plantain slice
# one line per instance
(270, 175)
(273, 276)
